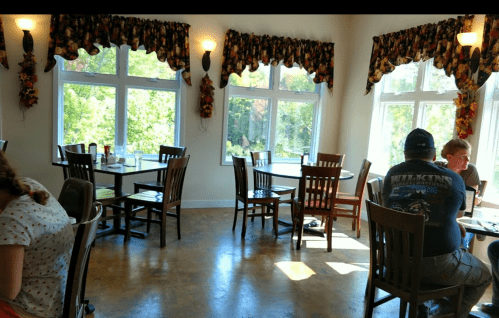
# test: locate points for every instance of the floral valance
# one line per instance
(433, 40)
(69, 32)
(241, 49)
(489, 58)
(3, 52)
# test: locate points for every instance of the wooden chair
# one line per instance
(330, 160)
(354, 200)
(165, 153)
(74, 303)
(82, 167)
(3, 145)
(160, 201)
(374, 190)
(252, 199)
(265, 182)
(313, 200)
(395, 262)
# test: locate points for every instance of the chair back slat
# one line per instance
(174, 182)
(330, 160)
(241, 177)
(396, 245)
(374, 190)
(321, 180)
(165, 153)
(258, 159)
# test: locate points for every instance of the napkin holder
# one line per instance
(111, 159)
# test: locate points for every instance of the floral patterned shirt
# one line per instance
(47, 236)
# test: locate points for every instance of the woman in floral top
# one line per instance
(36, 240)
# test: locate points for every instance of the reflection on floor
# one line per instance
(212, 272)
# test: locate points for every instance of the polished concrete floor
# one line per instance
(212, 272)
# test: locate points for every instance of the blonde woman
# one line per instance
(36, 240)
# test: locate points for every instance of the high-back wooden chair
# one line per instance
(313, 201)
(160, 202)
(396, 251)
(165, 153)
(80, 166)
(374, 190)
(330, 160)
(263, 181)
(74, 303)
(77, 148)
(252, 199)
(350, 205)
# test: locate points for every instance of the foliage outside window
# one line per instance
(414, 95)
(273, 108)
(118, 97)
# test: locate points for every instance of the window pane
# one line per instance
(147, 65)
(293, 129)
(438, 81)
(439, 121)
(102, 63)
(402, 79)
(247, 126)
(259, 78)
(151, 120)
(396, 126)
(296, 79)
(89, 114)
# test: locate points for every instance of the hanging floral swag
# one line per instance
(28, 94)
(466, 111)
(206, 97)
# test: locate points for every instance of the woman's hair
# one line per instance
(12, 184)
(453, 146)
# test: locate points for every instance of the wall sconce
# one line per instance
(26, 25)
(208, 46)
(467, 40)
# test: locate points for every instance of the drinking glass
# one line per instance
(138, 156)
(119, 153)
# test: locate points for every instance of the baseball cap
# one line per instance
(419, 139)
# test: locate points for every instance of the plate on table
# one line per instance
(114, 166)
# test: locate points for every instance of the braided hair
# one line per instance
(12, 184)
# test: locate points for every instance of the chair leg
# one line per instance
(300, 230)
(128, 214)
(235, 217)
(178, 221)
(293, 219)
(263, 216)
(275, 218)
(368, 313)
(245, 220)
(329, 221)
(163, 228)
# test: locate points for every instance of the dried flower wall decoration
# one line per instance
(206, 107)
(28, 78)
(466, 111)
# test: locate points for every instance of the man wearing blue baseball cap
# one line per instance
(419, 186)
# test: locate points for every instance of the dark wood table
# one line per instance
(119, 171)
(485, 221)
(293, 171)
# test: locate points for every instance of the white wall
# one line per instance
(207, 182)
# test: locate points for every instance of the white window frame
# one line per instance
(274, 95)
(121, 81)
(419, 98)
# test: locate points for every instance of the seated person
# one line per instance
(419, 186)
(36, 241)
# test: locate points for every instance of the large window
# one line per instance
(117, 97)
(414, 95)
(273, 108)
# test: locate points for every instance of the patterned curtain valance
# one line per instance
(3, 52)
(438, 41)
(241, 49)
(489, 58)
(69, 32)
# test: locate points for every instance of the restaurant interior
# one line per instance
(211, 271)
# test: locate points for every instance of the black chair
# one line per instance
(396, 251)
(165, 153)
(252, 199)
(470, 201)
(3, 145)
(160, 202)
(78, 267)
(76, 197)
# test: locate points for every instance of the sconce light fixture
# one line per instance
(467, 40)
(208, 46)
(26, 25)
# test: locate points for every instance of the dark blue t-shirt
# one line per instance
(422, 187)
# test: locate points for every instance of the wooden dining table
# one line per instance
(293, 171)
(120, 170)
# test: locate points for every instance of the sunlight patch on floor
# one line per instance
(336, 243)
(344, 268)
(295, 270)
